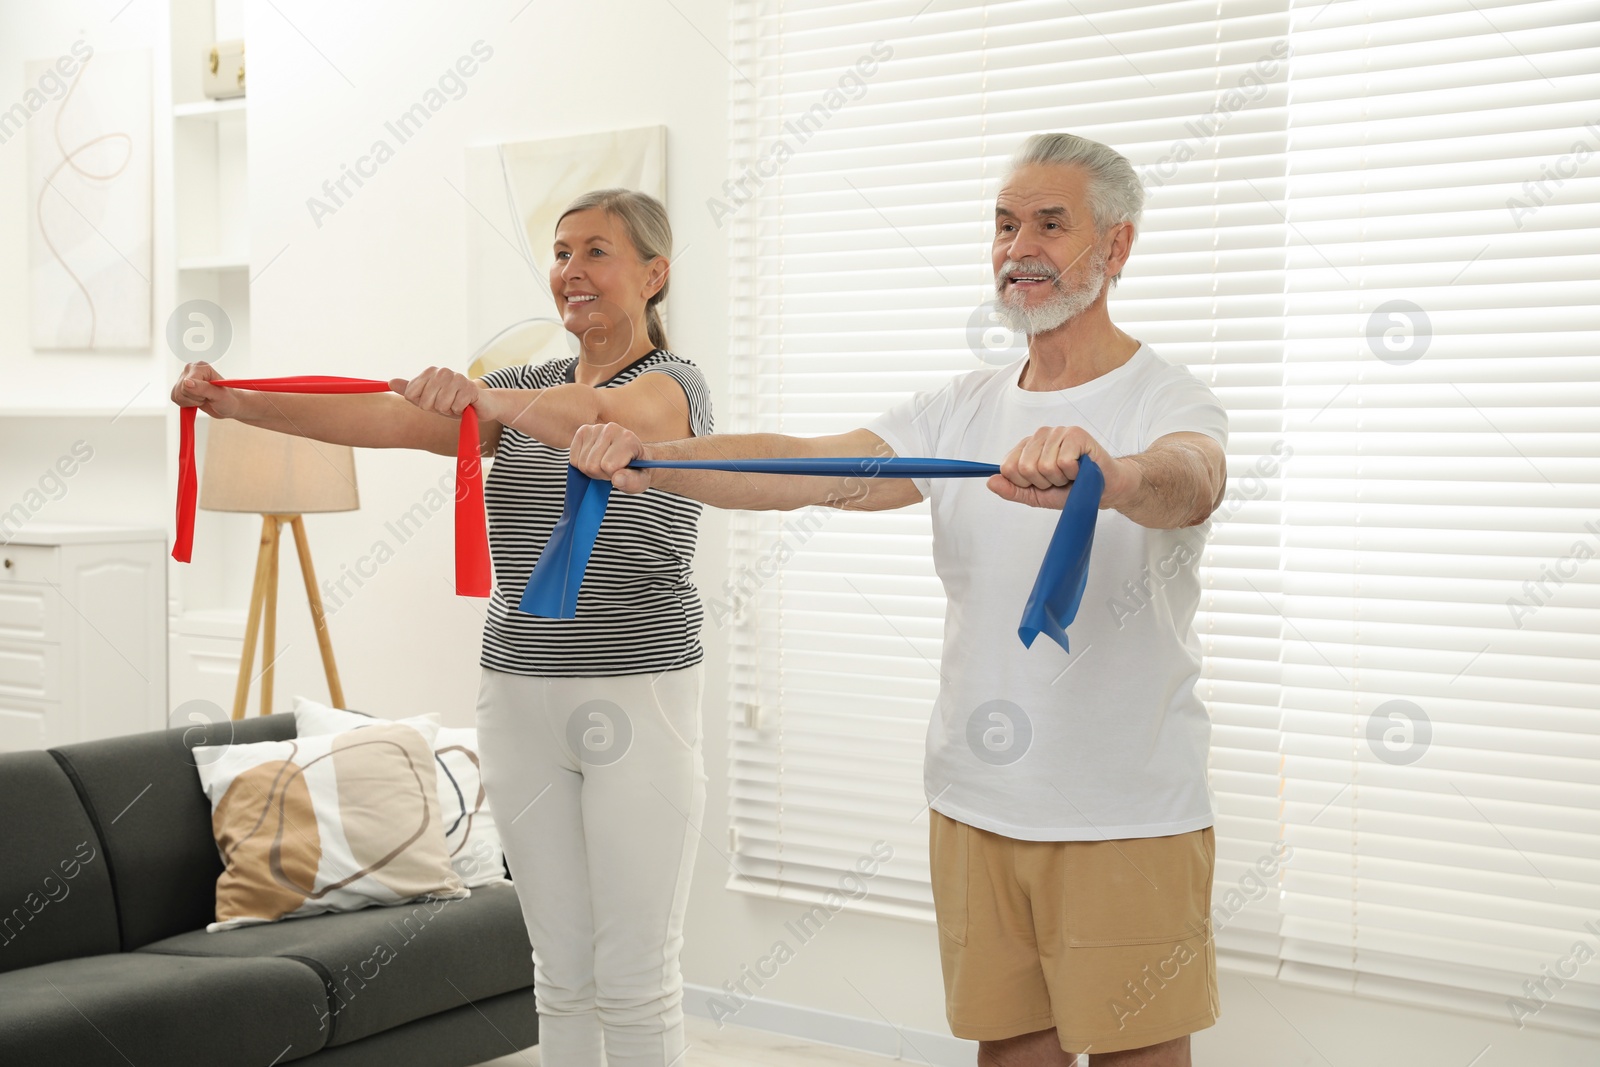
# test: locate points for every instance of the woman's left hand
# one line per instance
(441, 391)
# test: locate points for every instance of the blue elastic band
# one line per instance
(863, 466)
(1058, 590)
(552, 590)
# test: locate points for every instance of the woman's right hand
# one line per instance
(604, 449)
(194, 389)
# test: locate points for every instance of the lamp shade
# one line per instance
(270, 473)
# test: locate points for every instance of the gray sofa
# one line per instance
(108, 876)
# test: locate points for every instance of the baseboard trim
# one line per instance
(873, 1036)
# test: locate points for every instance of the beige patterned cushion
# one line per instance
(470, 834)
(332, 823)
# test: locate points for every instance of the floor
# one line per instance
(734, 1046)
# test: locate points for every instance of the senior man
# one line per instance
(1071, 837)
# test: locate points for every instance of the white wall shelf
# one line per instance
(81, 411)
(209, 109)
(211, 241)
(211, 622)
(214, 263)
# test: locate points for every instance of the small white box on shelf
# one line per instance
(224, 71)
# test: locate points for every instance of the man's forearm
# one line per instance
(1178, 486)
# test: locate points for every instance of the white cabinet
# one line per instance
(83, 636)
(204, 649)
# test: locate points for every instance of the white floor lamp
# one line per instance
(279, 477)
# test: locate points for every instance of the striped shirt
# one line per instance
(638, 611)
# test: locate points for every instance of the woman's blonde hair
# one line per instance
(645, 220)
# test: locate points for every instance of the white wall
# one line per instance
(33, 31)
(378, 290)
(109, 486)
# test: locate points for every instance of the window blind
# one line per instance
(1369, 228)
(1440, 775)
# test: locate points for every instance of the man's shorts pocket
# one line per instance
(1140, 891)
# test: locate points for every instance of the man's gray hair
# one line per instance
(1115, 193)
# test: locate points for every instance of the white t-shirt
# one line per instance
(1032, 743)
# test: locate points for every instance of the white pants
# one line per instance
(598, 788)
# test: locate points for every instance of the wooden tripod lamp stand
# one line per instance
(279, 477)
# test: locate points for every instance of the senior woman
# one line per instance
(588, 728)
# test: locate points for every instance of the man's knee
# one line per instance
(1174, 1053)
(1039, 1049)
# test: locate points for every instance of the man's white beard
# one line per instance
(1061, 306)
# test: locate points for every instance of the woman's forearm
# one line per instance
(609, 450)
(550, 416)
(730, 489)
(367, 420)
(767, 491)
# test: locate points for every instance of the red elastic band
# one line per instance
(472, 530)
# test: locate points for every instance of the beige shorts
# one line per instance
(1109, 942)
